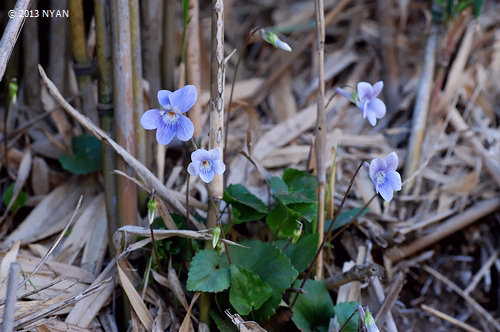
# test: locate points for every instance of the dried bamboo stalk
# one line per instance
(11, 298)
(140, 133)
(216, 127)
(124, 108)
(10, 35)
(320, 142)
(193, 66)
(31, 58)
(453, 224)
(80, 57)
(421, 110)
(105, 108)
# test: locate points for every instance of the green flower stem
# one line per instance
(309, 269)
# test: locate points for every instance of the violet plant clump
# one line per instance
(170, 120)
(384, 176)
(365, 98)
(206, 164)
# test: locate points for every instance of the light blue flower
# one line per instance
(170, 119)
(206, 164)
(366, 100)
(274, 40)
(384, 176)
(368, 320)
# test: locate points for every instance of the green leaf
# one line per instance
(284, 219)
(345, 218)
(247, 291)
(245, 206)
(298, 180)
(301, 253)
(20, 200)
(343, 311)
(204, 276)
(308, 211)
(282, 193)
(238, 193)
(273, 268)
(87, 155)
(313, 310)
(223, 324)
(478, 7)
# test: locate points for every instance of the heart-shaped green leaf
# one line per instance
(205, 275)
(247, 291)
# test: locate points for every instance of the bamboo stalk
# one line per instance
(216, 130)
(10, 34)
(58, 66)
(31, 58)
(124, 108)
(105, 108)
(140, 133)
(80, 57)
(321, 152)
(193, 67)
(421, 110)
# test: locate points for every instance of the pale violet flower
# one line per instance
(367, 319)
(366, 100)
(274, 40)
(384, 176)
(206, 164)
(170, 119)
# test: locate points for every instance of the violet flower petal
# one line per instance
(364, 90)
(200, 155)
(194, 168)
(163, 98)
(183, 99)
(218, 166)
(206, 174)
(392, 161)
(377, 88)
(149, 120)
(185, 128)
(165, 133)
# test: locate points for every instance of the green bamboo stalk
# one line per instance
(140, 133)
(80, 57)
(321, 152)
(123, 108)
(105, 107)
(216, 130)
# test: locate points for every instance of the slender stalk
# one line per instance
(216, 129)
(155, 250)
(82, 63)
(321, 130)
(105, 110)
(309, 269)
(124, 106)
(140, 133)
(347, 321)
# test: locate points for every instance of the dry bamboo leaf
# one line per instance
(40, 177)
(56, 325)
(242, 325)
(242, 90)
(85, 311)
(163, 319)
(282, 99)
(186, 325)
(135, 299)
(22, 176)
(173, 283)
(97, 245)
(54, 209)
(9, 258)
(81, 231)
(56, 242)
